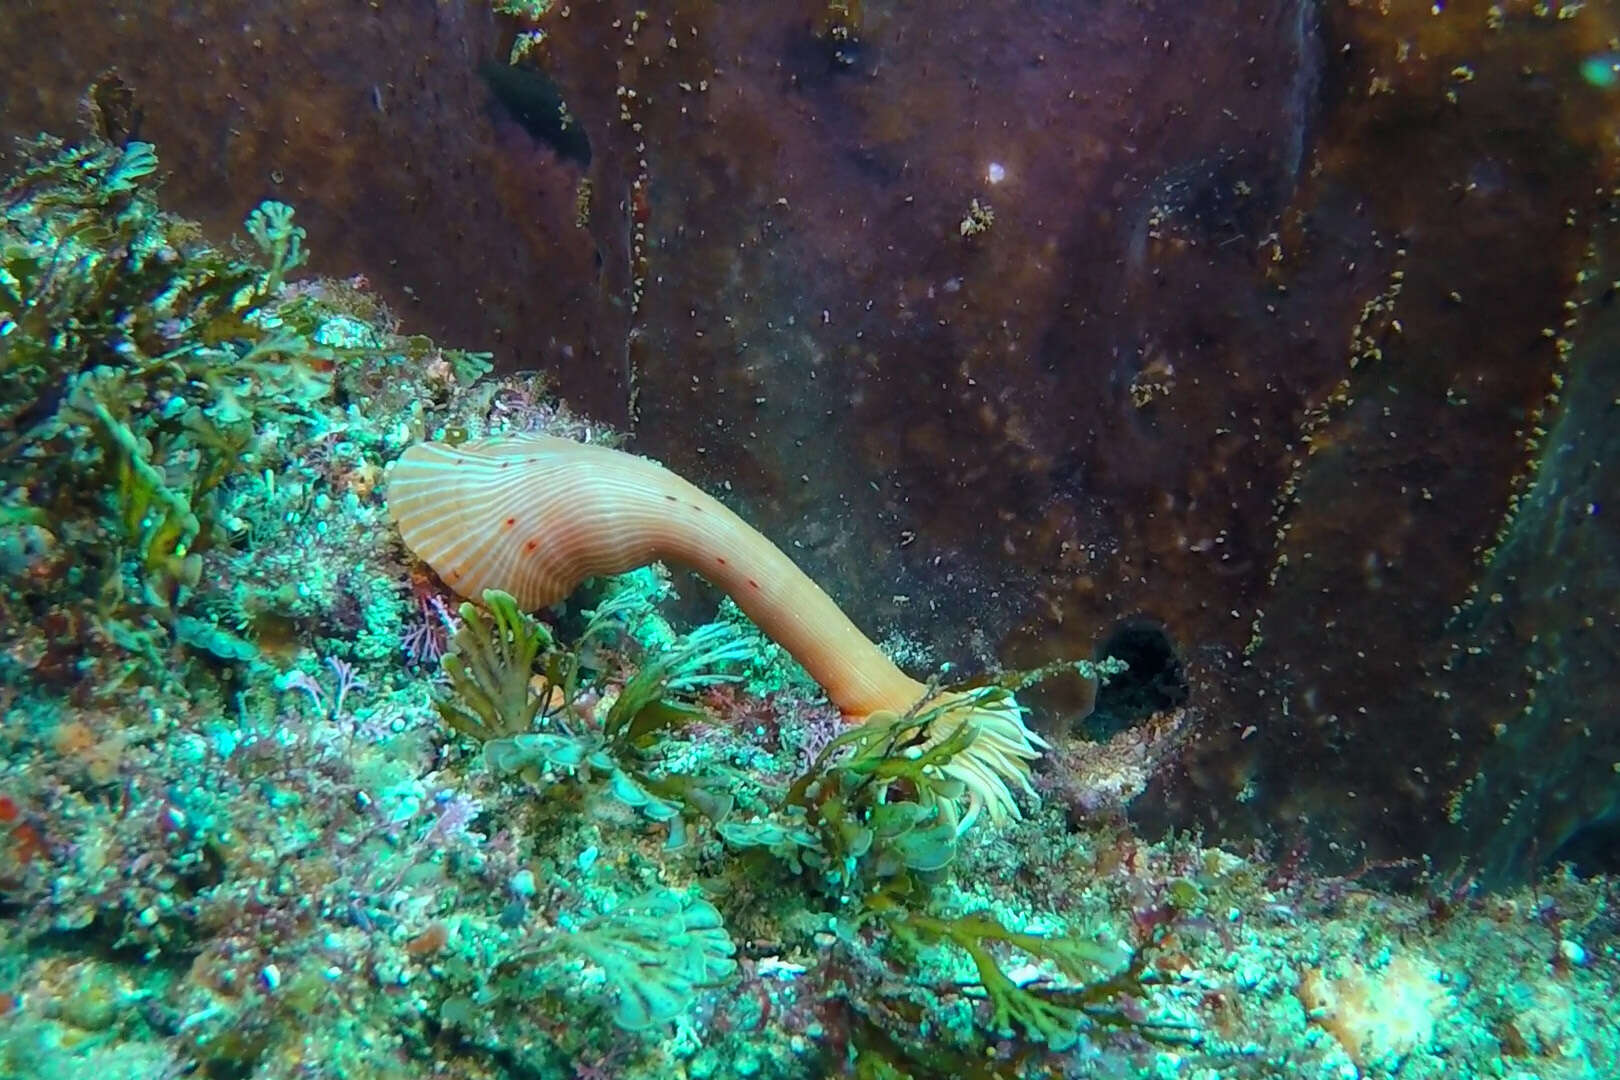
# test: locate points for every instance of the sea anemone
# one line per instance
(536, 515)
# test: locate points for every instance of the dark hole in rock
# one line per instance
(1156, 681)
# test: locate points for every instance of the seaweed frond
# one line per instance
(491, 664)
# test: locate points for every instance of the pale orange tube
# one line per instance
(536, 515)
